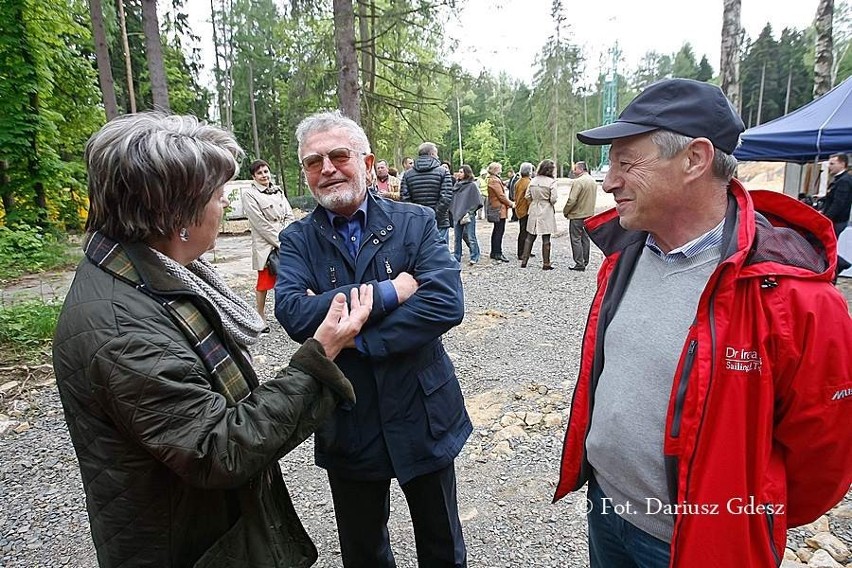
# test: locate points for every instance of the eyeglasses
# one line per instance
(339, 157)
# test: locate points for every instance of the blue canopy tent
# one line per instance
(811, 133)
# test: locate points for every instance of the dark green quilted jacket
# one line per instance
(174, 476)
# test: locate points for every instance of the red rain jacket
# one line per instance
(758, 420)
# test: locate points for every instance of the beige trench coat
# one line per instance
(268, 214)
(542, 216)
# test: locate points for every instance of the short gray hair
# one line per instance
(332, 120)
(151, 174)
(495, 168)
(670, 143)
(526, 169)
(427, 149)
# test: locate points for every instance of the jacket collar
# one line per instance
(378, 221)
(132, 262)
(761, 227)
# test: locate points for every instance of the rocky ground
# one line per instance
(516, 354)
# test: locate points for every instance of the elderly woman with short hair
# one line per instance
(178, 443)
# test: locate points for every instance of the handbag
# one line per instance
(272, 261)
(492, 214)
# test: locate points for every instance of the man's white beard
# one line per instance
(351, 196)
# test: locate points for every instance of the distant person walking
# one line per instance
(579, 207)
(542, 216)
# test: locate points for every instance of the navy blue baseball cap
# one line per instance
(684, 106)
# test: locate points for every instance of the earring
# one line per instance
(183, 234)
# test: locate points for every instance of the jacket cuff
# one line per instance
(311, 359)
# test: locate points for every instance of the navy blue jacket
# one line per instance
(409, 418)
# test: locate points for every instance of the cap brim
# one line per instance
(608, 132)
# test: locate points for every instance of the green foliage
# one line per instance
(303, 202)
(27, 249)
(27, 326)
(776, 64)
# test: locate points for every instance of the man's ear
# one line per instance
(699, 158)
(369, 160)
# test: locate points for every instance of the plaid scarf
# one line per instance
(225, 376)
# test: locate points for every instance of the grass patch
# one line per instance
(26, 329)
(25, 249)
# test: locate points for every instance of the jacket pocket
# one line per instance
(442, 395)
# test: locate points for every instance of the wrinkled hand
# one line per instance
(405, 286)
(343, 322)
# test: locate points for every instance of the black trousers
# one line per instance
(522, 233)
(362, 509)
(497, 238)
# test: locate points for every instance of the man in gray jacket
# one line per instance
(579, 207)
(430, 185)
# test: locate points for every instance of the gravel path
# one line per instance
(516, 354)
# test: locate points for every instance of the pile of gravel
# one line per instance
(516, 355)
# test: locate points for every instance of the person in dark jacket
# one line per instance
(178, 444)
(410, 420)
(838, 200)
(430, 184)
(463, 210)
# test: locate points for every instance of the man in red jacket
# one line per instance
(715, 375)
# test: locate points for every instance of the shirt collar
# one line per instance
(710, 239)
(360, 215)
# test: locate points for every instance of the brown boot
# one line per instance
(528, 245)
(545, 257)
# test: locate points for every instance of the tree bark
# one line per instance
(102, 55)
(729, 66)
(154, 55)
(348, 91)
(131, 91)
(824, 46)
(253, 109)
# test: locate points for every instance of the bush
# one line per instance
(27, 326)
(26, 249)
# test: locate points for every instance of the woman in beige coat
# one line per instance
(268, 212)
(542, 216)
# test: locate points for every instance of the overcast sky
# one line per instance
(505, 35)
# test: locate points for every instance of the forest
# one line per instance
(67, 66)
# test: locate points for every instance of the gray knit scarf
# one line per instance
(239, 319)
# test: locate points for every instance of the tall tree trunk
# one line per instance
(253, 110)
(154, 55)
(824, 45)
(217, 68)
(729, 66)
(368, 54)
(102, 55)
(131, 91)
(347, 62)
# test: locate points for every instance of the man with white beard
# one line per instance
(409, 421)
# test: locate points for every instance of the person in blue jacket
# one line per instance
(409, 421)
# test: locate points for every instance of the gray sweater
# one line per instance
(642, 347)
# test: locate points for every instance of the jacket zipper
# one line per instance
(770, 522)
(682, 385)
(712, 320)
(332, 274)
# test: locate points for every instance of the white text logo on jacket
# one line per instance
(742, 360)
